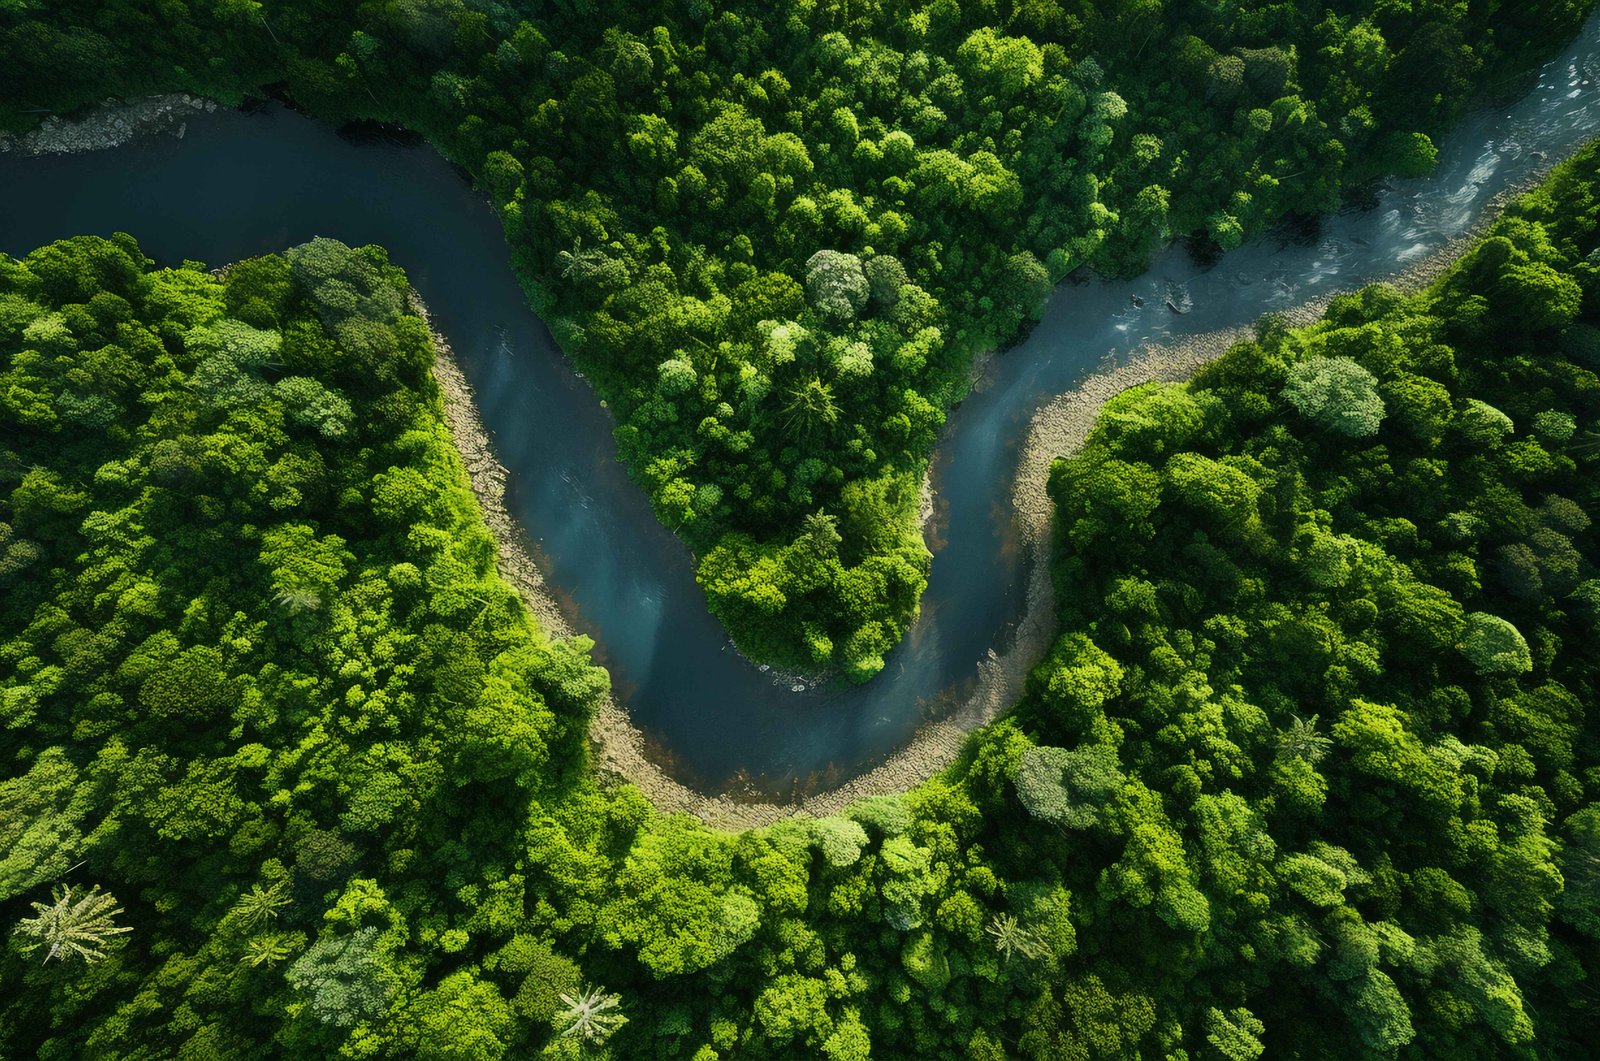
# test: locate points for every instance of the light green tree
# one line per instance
(1012, 937)
(591, 1016)
(1300, 740)
(820, 532)
(75, 924)
(1235, 1035)
(345, 978)
(1067, 787)
(810, 407)
(1336, 394)
(41, 818)
(836, 285)
(267, 950)
(1494, 646)
(259, 907)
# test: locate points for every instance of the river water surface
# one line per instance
(241, 184)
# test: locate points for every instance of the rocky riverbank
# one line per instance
(112, 125)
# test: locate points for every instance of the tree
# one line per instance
(886, 277)
(1300, 740)
(1494, 646)
(309, 404)
(1483, 424)
(820, 532)
(1336, 394)
(1007, 66)
(260, 906)
(345, 978)
(591, 1016)
(839, 840)
(1012, 937)
(810, 408)
(836, 286)
(1078, 680)
(1380, 1013)
(1580, 866)
(463, 1019)
(41, 817)
(1235, 1035)
(1321, 874)
(232, 357)
(268, 949)
(1067, 787)
(75, 924)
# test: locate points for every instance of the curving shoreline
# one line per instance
(1059, 426)
(1058, 429)
(619, 746)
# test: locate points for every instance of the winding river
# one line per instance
(239, 184)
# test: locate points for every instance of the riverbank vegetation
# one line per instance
(255, 651)
(777, 243)
(1310, 770)
(1325, 673)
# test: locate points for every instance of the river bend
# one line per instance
(241, 184)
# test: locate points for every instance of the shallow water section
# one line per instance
(241, 184)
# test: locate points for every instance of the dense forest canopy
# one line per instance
(1310, 771)
(777, 238)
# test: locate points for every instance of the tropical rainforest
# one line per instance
(1310, 770)
(776, 241)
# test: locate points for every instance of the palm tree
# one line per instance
(582, 264)
(810, 407)
(592, 1017)
(298, 601)
(75, 925)
(1302, 741)
(821, 531)
(261, 905)
(1011, 937)
(266, 950)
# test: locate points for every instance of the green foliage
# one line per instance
(259, 907)
(255, 648)
(1580, 866)
(591, 1016)
(1336, 394)
(900, 183)
(41, 822)
(840, 840)
(74, 925)
(1235, 1035)
(836, 287)
(1494, 646)
(1300, 740)
(1399, 546)
(1067, 787)
(262, 651)
(344, 978)
(1012, 938)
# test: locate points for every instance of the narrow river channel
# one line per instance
(240, 184)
